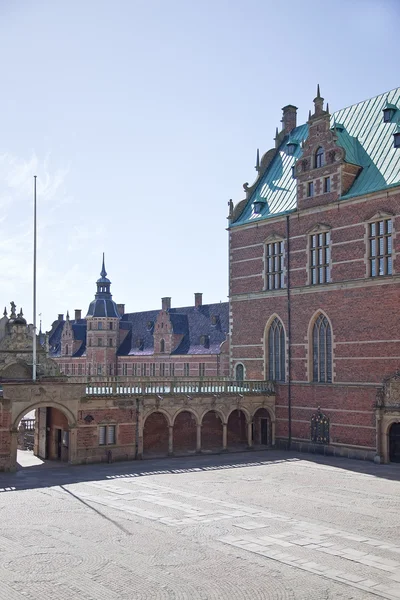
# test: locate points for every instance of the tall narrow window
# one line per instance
(162, 369)
(310, 189)
(320, 258)
(380, 248)
(202, 369)
(274, 266)
(172, 369)
(66, 349)
(152, 369)
(144, 370)
(100, 325)
(322, 350)
(319, 158)
(107, 435)
(327, 185)
(276, 351)
(186, 369)
(134, 370)
(239, 372)
(162, 346)
(124, 369)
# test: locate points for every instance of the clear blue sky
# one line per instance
(141, 118)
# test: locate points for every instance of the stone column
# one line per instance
(250, 434)
(224, 436)
(170, 440)
(198, 438)
(12, 465)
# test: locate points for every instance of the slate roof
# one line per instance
(368, 142)
(79, 333)
(188, 321)
(103, 307)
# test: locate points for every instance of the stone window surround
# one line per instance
(271, 239)
(318, 228)
(264, 340)
(309, 348)
(379, 216)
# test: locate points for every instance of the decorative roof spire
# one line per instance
(327, 107)
(309, 115)
(257, 167)
(318, 103)
(67, 315)
(5, 311)
(103, 269)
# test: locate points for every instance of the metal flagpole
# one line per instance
(34, 283)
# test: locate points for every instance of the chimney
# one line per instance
(78, 314)
(166, 303)
(121, 309)
(198, 299)
(61, 317)
(289, 118)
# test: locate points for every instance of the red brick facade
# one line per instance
(362, 310)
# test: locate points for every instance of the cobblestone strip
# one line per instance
(367, 585)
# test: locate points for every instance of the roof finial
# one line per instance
(5, 311)
(318, 92)
(67, 315)
(103, 269)
(257, 167)
(309, 115)
(327, 107)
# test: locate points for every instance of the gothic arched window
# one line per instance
(322, 350)
(319, 158)
(66, 349)
(276, 351)
(239, 372)
(162, 346)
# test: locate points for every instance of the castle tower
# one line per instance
(102, 333)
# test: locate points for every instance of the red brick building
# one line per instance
(315, 277)
(166, 343)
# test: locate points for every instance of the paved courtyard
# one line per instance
(260, 525)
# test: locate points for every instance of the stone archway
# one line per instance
(237, 430)
(185, 432)
(394, 442)
(211, 431)
(156, 434)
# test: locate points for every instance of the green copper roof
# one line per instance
(368, 142)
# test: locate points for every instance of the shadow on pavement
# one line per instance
(37, 477)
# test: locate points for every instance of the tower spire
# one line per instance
(257, 167)
(103, 269)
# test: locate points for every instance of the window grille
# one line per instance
(320, 258)
(322, 351)
(274, 266)
(380, 248)
(276, 351)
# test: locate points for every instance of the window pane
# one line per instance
(313, 257)
(328, 274)
(373, 247)
(381, 227)
(320, 239)
(381, 246)
(389, 265)
(282, 280)
(111, 434)
(102, 435)
(373, 229)
(373, 268)
(389, 245)
(327, 255)
(321, 275)
(320, 257)
(381, 266)
(389, 226)
(314, 275)
(313, 241)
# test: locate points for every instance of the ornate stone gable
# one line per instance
(322, 173)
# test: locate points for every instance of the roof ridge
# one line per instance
(365, 100)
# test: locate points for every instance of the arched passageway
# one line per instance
(394, 443)
(237, 429)
(42, 434)
(211, 431)
(185, 433)
(262, 430)
(156, 434)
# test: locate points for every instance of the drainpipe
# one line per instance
(289, 333)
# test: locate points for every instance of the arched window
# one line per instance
(322, 350)
(162, 346)
(66, 349)
(239, 372)
(319, 158)
(276, 351)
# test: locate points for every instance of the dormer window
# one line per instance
(258, 205)
(214, 319)
(149, 324)
(140, 343)
(396, 137)
(291, 147)
(319, 158)
(162, 346)
(389, 112)
(205, 341)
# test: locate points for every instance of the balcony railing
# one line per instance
(148, 388)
